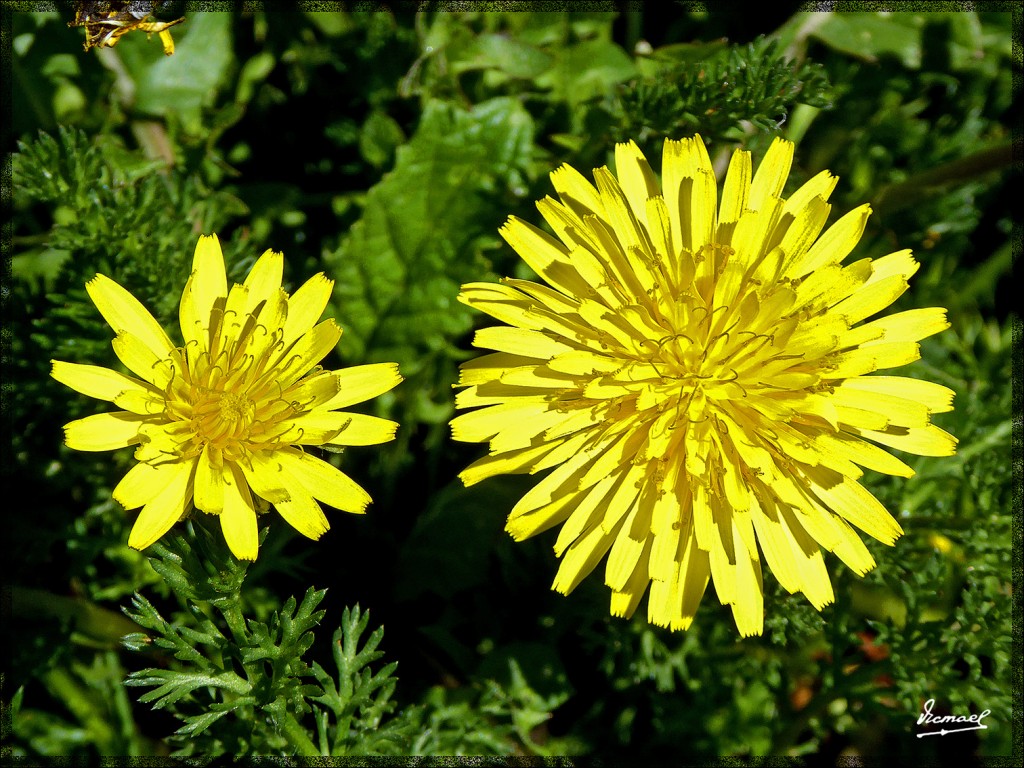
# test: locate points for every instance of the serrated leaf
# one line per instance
(399, 269)
(197, 724)
(173, 685)
(587, 69)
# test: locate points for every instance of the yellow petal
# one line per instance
(499, 393)
(935, 397)
(674, 603)
(625, 600)
(770, 179)
(544, 255)
(104, 431)
(266, 324)
(323, 481)
(849, 499)
(513, 462)
(363, 382)
(819, 187)
(163, 511)
(479, 426)
(303, 514)
(871, 297)
(898, 263)
(748, 607)
(623, 220)
(491, 367)
(125, 314)
(581, 558)
(206, 285)
(101, 383)
(833, 246)
(775, 542)
(911, 325)
(851, 549)
(143, 483)
(856, 450)
(588, 512)
(736, 188)
(306, 306)
(139, 358)
(161, 439)
(803, 230)
(209, 482)
(636, 177)
(522, 526)
(264, 473)
(687, 177)
(565, 477)
(924, 441)
(264, 279)
(362, 429)
(238, 519)
(575, 191)
(625, 555)
(503, 303)
(896, 410)
(307, 351)
(209, 280)
(873, 357)
(313, 392)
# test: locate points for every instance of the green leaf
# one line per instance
(185, 82)
(588, 69)
(420, 236)
(506, 54)
(379, 138)
(456, 519)
(869, 36)
(197, 724)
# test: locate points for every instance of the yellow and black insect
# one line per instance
(106, 22)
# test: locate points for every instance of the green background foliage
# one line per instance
(385, 147)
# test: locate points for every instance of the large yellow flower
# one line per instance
(696, 376)
(232, 409)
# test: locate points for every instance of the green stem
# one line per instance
(906, 193)
(150, 134)
(297, 735)
(235, 621)
(94, 623)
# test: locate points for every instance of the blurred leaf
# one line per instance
(379, 138)
(869, 36)
(188, 80)
(653, 62)
(468, 521)
(913, 190)
(492, 51)
(587, 69)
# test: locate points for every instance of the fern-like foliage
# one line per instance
(242, 686)
(753, 85)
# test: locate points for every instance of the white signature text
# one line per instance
(969, 722)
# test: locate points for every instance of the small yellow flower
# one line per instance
(227, 415)
(697, 379)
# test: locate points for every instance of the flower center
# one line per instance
(235, 407)
(222, 418)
